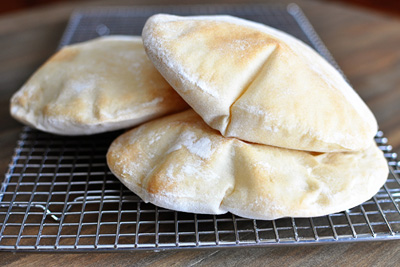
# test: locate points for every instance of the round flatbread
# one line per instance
(96, 86)
(178, 162)
(258, 84)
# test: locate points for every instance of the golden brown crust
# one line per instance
(179, 162)
(96, 86)
(258, 84)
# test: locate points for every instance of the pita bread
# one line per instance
(258, 84)
(96, 86)
(178, 162)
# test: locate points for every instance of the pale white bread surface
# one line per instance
(180, 163)
(100, 85)
(258, 84)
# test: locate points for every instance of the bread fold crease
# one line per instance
(258, 84)
(178, 162)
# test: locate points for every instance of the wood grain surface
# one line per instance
(366, 46)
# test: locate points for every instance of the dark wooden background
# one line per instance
(364, 43)
(386, 6)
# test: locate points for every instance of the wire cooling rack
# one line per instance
(59, 195)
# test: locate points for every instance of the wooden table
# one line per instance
(366, 46)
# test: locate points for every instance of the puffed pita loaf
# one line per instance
(100, 85)
(258, 84)
(180, 163)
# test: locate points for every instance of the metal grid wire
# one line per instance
(59, 195)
